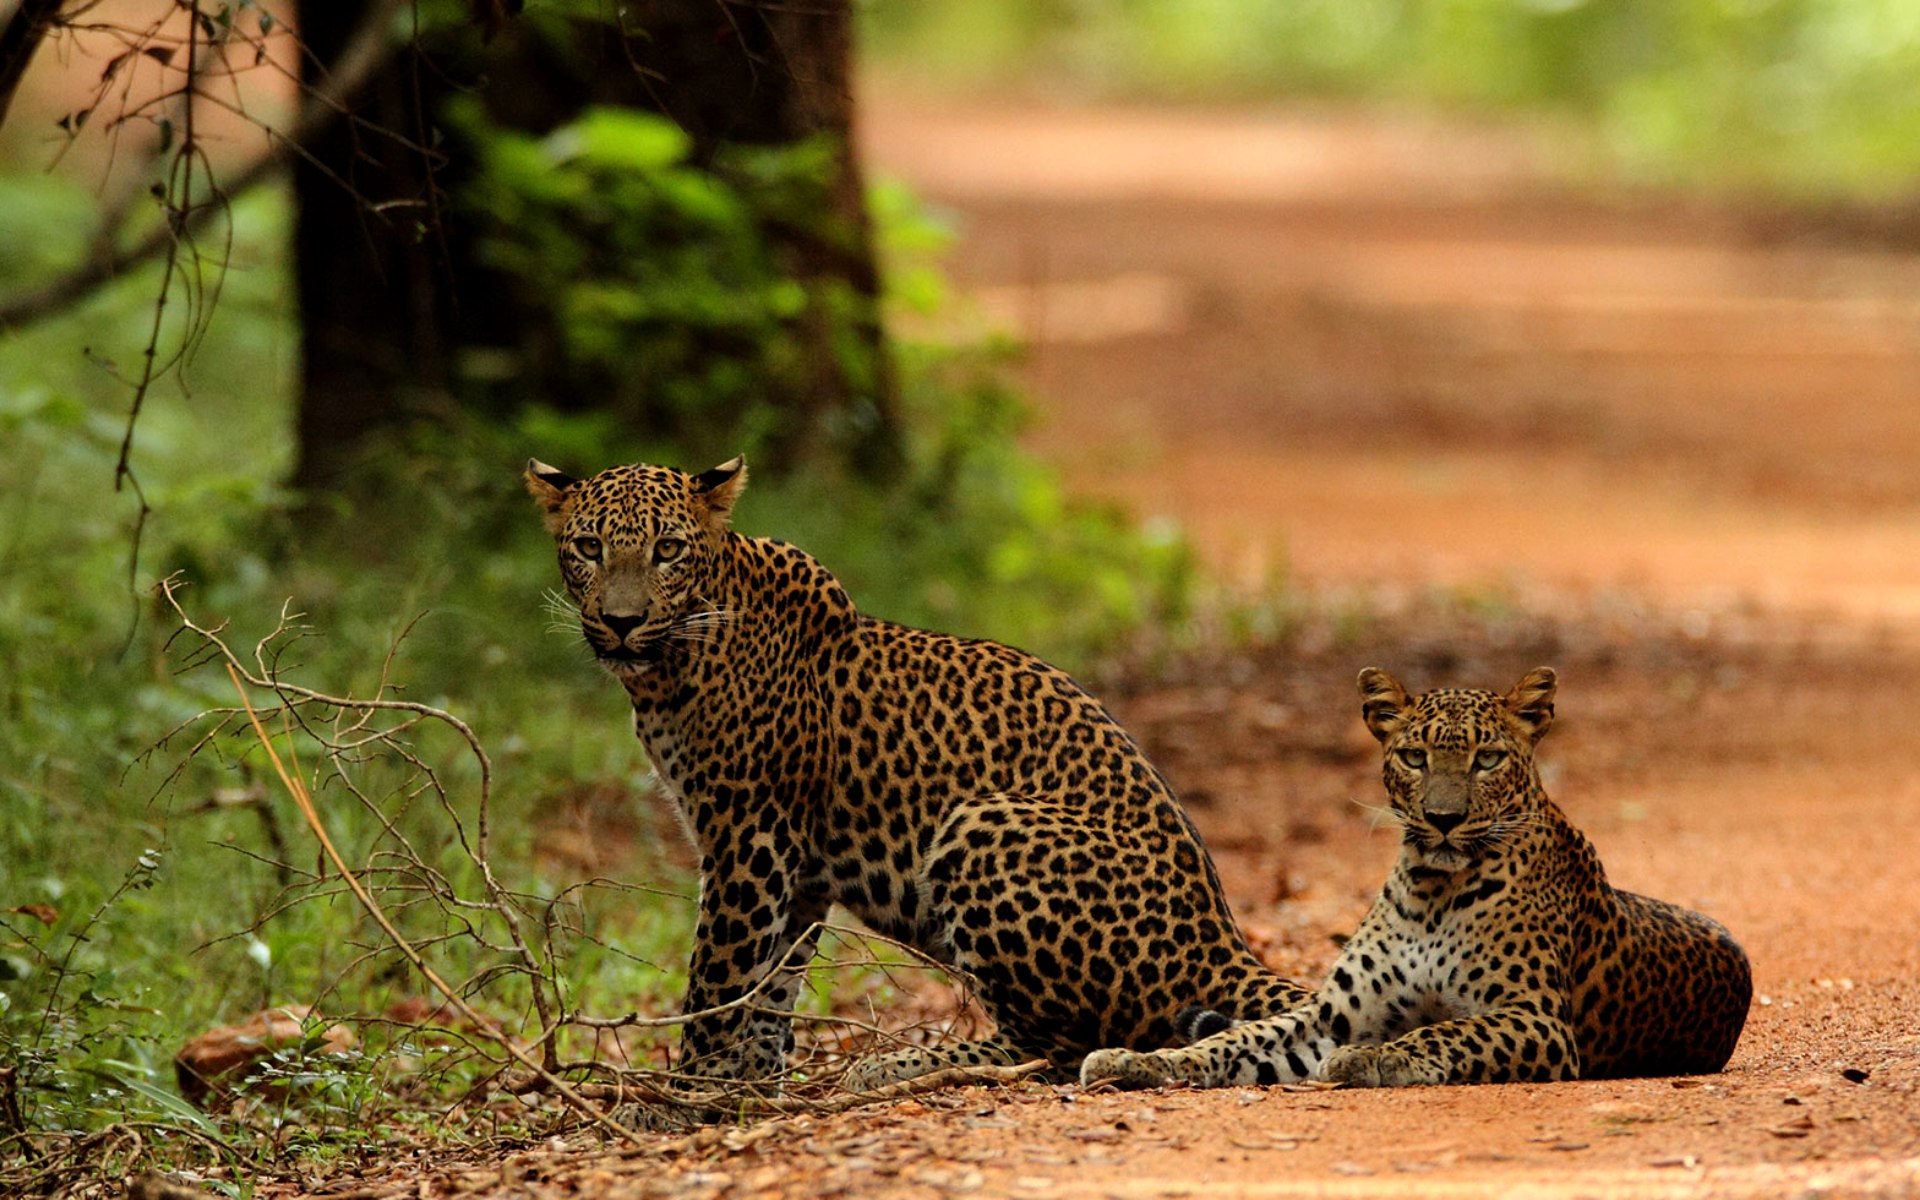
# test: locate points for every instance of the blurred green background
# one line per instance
(1803, 97)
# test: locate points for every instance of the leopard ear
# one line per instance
(554, 489)
(720, 487)
(1383, 703)
(1531, 702)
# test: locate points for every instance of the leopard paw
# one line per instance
(1125, 1068)
(1373, 1066)
(876, 1071)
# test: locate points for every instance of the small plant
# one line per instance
(73, 1077)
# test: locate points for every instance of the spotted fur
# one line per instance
(957, 795)
(1497, 950)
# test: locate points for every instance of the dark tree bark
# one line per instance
(371, 280)
(389, 291)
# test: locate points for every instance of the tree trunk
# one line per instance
(20, 37)
(371, 280)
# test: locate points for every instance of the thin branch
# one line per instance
(373, 909)
(372, 43)
(628, 1090)
(396, 885)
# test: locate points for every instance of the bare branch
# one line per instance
(298, 791)
(327, 100)
(397, 886)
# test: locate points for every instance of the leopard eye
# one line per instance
(588, 548)
(1488, 760)
(668, 549)
(1412, 758)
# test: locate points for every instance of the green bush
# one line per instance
(669, 308)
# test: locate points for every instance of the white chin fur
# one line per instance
(1446, 858)
(626, 670)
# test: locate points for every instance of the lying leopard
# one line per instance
(956, 795)
(1497, 950)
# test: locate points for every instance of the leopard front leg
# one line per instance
(1514, 1043)
(912, 1062)
(755, 937)
(1283, 1049)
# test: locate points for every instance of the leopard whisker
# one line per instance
(1382, 814)
(718, 614)
(1502, 831)
(687, 635)
(703, 626)
(563, 617)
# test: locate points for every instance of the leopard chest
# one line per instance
(1439, 949)
(727, 759)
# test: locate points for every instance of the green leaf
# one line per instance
(700, 197)
(173, 1105)
(620, 139)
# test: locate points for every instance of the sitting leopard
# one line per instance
(959, 796)
(1497, 950)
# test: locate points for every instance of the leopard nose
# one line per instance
(620, 625)
(1445, 821)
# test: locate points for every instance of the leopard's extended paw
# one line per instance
(878, 1070)
(1126, 1068)
(1373, 1066)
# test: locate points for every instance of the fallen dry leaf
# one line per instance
(209, 1065)
(1799, 1127)
(46, 914)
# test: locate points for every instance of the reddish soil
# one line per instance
(1476, 420)
(1360, 352)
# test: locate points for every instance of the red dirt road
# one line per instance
(1360, 352)
(1754, 777)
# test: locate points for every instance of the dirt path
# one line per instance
(1361, 352)
(1761, 778)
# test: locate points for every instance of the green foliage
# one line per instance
(649, 286)
(62, 1026)
(1811, 96)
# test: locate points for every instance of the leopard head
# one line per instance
(1459, 763)
(639, 547)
